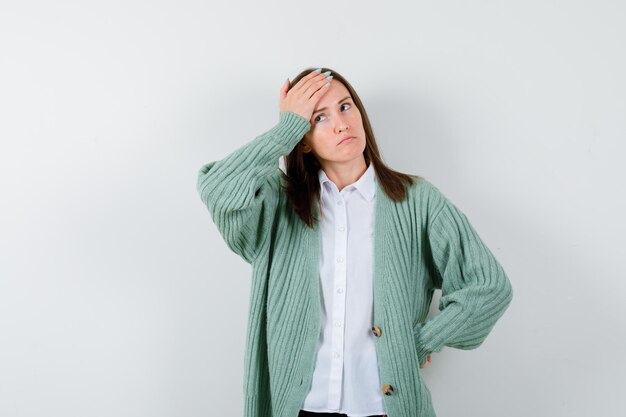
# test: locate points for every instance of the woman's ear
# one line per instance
(305, 147)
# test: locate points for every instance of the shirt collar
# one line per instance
(364, 185)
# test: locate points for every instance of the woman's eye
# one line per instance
(316, 118)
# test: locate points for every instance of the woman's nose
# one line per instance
(341, 123)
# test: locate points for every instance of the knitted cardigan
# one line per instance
(420, 244)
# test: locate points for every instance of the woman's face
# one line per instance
(335, 117)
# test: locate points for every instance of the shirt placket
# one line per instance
(339, 302)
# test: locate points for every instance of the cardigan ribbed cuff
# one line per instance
(422, 350)
(287, 133)
(264, 151)
(279, 140)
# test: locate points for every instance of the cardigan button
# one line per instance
(387, 389)
(377, 331)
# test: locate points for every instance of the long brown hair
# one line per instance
(302, 181)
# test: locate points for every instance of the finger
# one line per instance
(321, 89)
(306, 81)
(316, 87)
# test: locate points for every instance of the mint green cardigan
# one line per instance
(420, 244)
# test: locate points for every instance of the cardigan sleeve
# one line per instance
(475, 290)
(240, 190)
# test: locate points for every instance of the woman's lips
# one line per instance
(347, 140)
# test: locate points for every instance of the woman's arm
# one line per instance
(475, 290)
(240, 188)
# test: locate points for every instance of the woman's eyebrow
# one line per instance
(324, 108)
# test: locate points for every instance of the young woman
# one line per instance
(346, 255)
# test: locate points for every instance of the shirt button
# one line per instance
(340, 259)
(377, 331)
(387, 389)
(337, 323)
(339, 202)
(341, 228)
(339, 290)
(336, 354)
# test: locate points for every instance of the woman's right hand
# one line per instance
(425, 365)
(302, 97)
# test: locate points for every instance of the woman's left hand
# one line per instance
(427, 362)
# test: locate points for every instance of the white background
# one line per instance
(118, 296)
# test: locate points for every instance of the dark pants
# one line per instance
(304, 413)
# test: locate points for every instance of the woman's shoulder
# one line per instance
(425, 193)
(422, 186)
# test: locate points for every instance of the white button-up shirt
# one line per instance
(346, 378)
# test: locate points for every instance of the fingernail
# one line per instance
(319, 70)
(330, 77)
(327, 72)
(328, 84)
